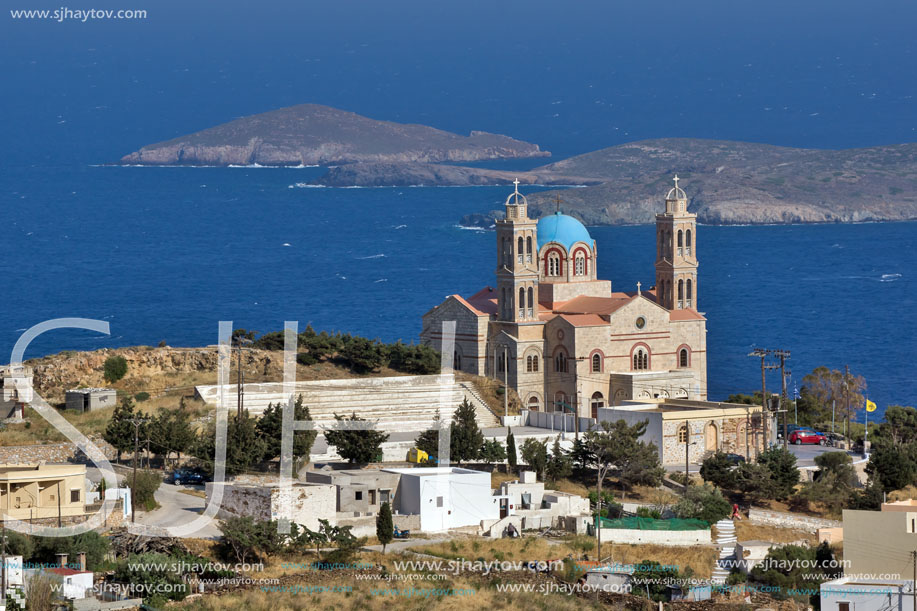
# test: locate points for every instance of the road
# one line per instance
(177, 508)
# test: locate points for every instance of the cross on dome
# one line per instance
(638, 287)
(676, 192)
(515, 196)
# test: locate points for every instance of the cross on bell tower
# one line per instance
(517, 261)
(676, 255)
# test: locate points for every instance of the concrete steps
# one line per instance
(725, 537)
(486, 417)
(403, 403)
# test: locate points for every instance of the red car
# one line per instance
(800, 436)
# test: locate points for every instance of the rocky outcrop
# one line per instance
(310, 134)
(55, 374)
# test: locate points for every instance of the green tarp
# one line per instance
(651, 524)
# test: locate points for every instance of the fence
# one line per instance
(556, 421)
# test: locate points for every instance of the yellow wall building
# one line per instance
(35, 491)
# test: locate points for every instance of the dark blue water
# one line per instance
(166, 253)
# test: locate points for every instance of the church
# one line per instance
(563, 338)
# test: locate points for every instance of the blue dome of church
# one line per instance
(563, 229)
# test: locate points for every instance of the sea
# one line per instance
(164, 254)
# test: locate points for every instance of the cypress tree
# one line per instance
(511, 450)
(385, 527)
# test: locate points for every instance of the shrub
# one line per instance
(306, 359)
(142, 396)
(114, 368)
(648, 512)
(718, 470)
(703, 503)
(142, 494)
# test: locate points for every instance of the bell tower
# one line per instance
(676, 253)
(517, 262)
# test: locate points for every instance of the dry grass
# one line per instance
(193, 492)
(491, 391)
(474, 548)
(700, 559)
(904, 494)
(760, 532)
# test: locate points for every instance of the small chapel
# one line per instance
(562, 337)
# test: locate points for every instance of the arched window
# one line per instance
(560, 363)
(683, 434)
(533, 404)
(528, 249)
(596, 363)
(683, 357)
(689, 292)
(531, 302)
(531, 363)
(521, 302)
(504, 305)
(519, 250)
(641, 359)
(553, 265)
(688, 241)
(501, 361)
(457, 361)
(580, 269)
(560, 402)
(679, 238)
(681, 293)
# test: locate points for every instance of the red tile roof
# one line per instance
(593, 305)
(584, 320)
(685, 315)
(66, 572)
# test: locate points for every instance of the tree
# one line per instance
(493, 452)
(244, 447)
(535, 455)
(655, 578)
(838, 463)
(899, 428)
(361, 354)
(120, 430)
(114, 368)
(893, 465)
(270, 430)
(385, 527)
(428, 441)
(511, 459)
(703, 503)
(582, 458)
(754, 481)
(788, 569)
(718, 470)
(356, 446)
(832, 386)
(91, 542)
(559, 464)
(247, 538)
(466, 439)
(782, 466)
(171, 431)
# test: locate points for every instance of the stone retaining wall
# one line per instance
(790, 520)
(52, 453)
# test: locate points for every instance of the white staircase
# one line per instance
(400, 403)
(725, 537)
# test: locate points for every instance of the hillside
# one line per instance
(310, 134)
(738, 183)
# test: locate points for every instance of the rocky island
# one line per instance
(311, 134)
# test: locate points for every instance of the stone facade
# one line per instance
(52, 453)
(309, 502)
(561, 337)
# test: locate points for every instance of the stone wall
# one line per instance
(53, 453)
(790, 520)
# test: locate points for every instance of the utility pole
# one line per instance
(762, 353)
(506, 383)
(3, 568)
(914, 585)
(847, 402)
(687, 454)
(136, 422)
(784, 355)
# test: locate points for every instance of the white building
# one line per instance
(852, 594)
(446, 497)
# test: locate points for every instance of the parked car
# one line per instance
(801, 436)
(186, 476)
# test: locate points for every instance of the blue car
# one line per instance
(186, 476)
